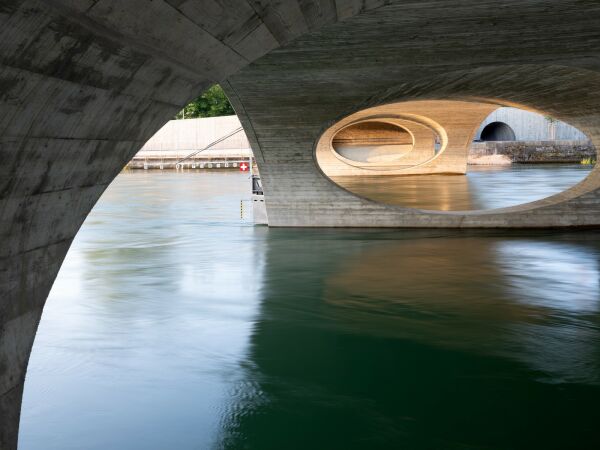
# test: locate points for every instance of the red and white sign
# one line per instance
(244, 167)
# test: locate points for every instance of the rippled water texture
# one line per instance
(484, 187)
(174, 325)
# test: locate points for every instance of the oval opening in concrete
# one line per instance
(488, 157)
(372, 142)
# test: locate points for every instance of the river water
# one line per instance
(173, 324)
(484, 187)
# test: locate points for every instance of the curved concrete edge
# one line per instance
(423, 149)
(84, 84)
(454, 121)
(26, 279)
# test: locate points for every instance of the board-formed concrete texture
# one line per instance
(84, 83)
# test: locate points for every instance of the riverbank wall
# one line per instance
(209, 143)
(533, 152)
(151, 160)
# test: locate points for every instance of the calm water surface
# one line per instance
(484, 187)
(174, 325)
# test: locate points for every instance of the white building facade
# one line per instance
(513, 124)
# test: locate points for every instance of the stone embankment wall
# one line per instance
(534, 152)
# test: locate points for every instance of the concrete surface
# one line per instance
(454, 122)
(83, 84)
(374, 141)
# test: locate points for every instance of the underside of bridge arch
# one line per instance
(453, 123)
(83, 84)
(298, 193)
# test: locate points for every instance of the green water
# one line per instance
(174, 325)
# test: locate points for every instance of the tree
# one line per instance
(212, 103)
(551, 127)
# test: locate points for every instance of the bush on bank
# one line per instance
(212, 103)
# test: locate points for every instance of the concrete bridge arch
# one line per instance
(85, 83)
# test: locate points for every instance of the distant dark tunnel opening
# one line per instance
(497, 131)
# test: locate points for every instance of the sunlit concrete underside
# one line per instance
(84, 83)
(378, 141)
(454, 122)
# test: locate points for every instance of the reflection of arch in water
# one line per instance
(361, 321)
(515, 285)
(434, 192)
(497, 131)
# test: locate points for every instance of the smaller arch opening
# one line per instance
(497, 131)
(372, 141)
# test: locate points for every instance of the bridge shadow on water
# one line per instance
(422, 339)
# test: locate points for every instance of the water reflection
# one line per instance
(553, 275)
(173, 325)
(484, 187)
(424, 340)
(141, 338)
(563, 280)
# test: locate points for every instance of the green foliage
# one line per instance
(212, 103)
(588, 161)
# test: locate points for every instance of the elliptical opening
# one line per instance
(464, 155)
(372, 141)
